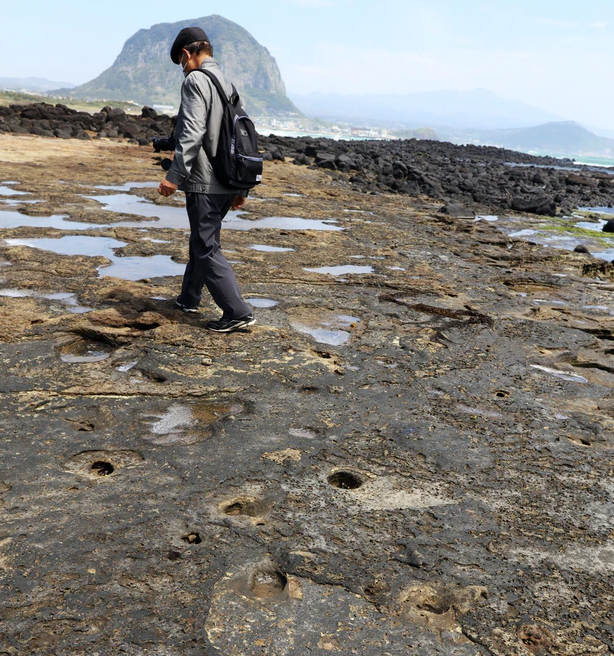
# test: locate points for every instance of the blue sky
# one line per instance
(557, 55)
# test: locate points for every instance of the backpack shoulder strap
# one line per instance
(216, 83)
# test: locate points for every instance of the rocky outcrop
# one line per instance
(47, 120)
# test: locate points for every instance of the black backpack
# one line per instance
(237, 163)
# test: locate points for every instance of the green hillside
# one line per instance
(143, 72)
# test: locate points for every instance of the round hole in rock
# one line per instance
(244, 506)
(268, 582)
(192, 538)
(502, 394)
(435, 605)
(345, 480)
(102, 468)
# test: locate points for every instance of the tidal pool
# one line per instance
(129, 185)
(280, 223)
(127, 268)
(166, 216)
(342, 270)
(262, 302)
(269, 249)
(326, 329)
(10, 219)
(66, 298)
(7, 191)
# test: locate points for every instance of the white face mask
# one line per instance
(183, 65)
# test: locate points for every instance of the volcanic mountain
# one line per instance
(143, 71)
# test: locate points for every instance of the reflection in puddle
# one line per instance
(129, 185)
(15, 203)
(279, 223)
(487, 217)
(565, 375)
(73, 245)
(7, 191)
(326, 331)
(167, 217)
(261, 302)
(84, 352)
(342, 270)
(137, 267)
(10, 219)
(66, 298)
(183, 424)
(269, 249)
(128, 268)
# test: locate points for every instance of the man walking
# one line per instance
(207, 200)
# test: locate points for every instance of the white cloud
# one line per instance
(599, 25)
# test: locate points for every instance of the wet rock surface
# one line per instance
(438, 483)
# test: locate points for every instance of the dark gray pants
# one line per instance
(207, 266)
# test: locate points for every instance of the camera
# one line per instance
(163, 143)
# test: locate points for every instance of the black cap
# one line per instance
(185, 37)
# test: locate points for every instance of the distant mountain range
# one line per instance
(143, 71)
(455, 109)
(559, 138)
(36, 84)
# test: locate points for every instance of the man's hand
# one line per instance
(167, 188)
(238, 203)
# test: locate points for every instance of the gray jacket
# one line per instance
(198, 123)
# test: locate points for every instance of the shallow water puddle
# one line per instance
(129, 185)
(596, 226)
(11, 219)
(325, 329)
(15, 203)
(82, 352)
(263, 248)
(491, 218)
(261, 302)
(342, 270)
(189, 424)
(280, 223)
(166, 217)
(127, 268)
(66, 298)
(138, 267)
(565, 375)
(72, 245)
(7, 191)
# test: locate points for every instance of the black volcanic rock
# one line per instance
(493, 178)
(609, 226)
(457, 211)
